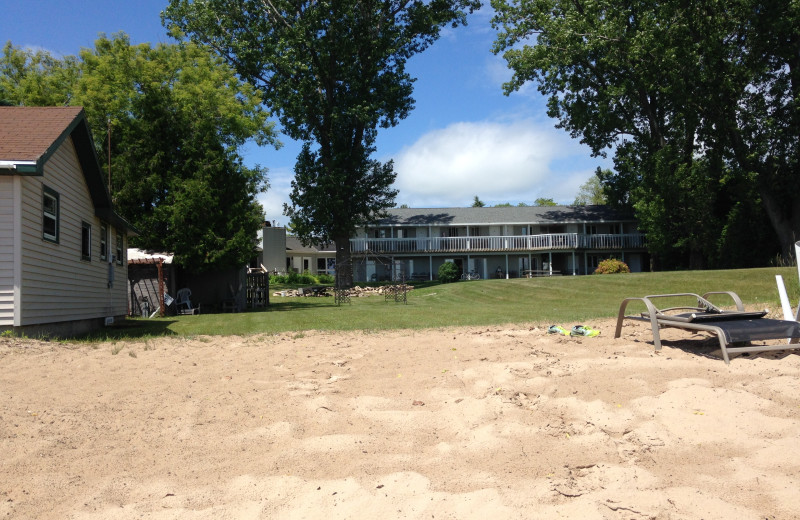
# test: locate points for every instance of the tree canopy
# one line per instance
(177, 117)
(333, 72)
(698, 102)
(541, 201)
(591, 192)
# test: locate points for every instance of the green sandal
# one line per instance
(580, 330)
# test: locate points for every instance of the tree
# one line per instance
(478, 203)
(333, 72)
(591, 191)
(699, 97)
(36, 77)
(544, 202)
(178, 116)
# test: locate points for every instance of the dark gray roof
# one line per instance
(294, 245)
(502, 215)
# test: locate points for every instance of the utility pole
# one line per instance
(109, 159)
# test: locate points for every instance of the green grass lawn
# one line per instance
(560, 299)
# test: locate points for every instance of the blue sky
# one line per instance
(463, 138)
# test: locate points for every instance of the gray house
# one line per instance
(62, 247)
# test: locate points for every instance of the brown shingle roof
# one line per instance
(28, 133)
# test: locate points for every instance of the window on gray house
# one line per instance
(50, 214)
(119, 248)
(86, 241)
(103, 241)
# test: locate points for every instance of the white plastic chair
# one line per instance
(183, 302)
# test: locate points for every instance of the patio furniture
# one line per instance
(735, 330)
(183, 302)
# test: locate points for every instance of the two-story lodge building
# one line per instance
(496, 242)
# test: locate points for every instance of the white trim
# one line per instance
(17, 188)
(12, 165)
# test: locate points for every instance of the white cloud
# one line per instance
(280, 184)
(497, 161)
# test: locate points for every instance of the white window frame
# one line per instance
(86, 241)
(103, 241)
(50, 194)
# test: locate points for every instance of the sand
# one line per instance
(464, 423)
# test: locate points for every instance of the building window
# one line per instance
(591, 229)
(616, 229)
(119, 248)
(103, 241)
(50, 209)
(86, 241)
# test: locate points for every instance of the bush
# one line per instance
(278, 279)
(448, 272)
(612, 266)
(325, 278)
(304, 278)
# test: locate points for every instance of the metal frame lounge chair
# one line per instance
(738, 328)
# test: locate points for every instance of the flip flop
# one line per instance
(557, 329)
(580, 330)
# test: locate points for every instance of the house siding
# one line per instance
(9, 186)
(56, 284)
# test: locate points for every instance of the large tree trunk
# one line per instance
(344, 262)
(785, 223)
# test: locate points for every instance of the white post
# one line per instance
(797, 256)
(787, 307)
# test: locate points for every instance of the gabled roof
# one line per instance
(502, 215)
(30, 135)
(294, 245)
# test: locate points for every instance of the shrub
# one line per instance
(307, 278)
(612, 266)
(325, 278)
(278, 279)
(448, 272)
(304, 278)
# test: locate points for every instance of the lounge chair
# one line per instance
(737, 327)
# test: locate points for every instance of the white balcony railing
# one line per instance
(550, 242)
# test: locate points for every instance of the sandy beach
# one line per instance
(503, 422)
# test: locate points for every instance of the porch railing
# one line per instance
(549, 242)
